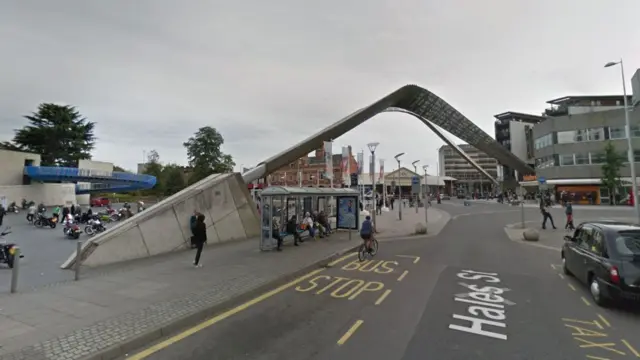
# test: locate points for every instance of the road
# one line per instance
(418, 299)
(44, 250)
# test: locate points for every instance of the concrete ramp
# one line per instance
(230, 213)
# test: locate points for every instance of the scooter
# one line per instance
(12, 208)
(94, 226)
(7, 250)
(72, 231)
(42, 221)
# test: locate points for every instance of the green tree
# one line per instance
(118, 168)
(173, 179)
(58, 133)
(153, 167)
(205, 154)
(613, 163)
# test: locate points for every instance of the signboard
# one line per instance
(415, 185)
(347, 212)
(529, 178)
(542, 180)
(354, 179)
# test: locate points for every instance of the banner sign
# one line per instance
(381, 177)
(328, 159)
(360, 162)
(344, 166)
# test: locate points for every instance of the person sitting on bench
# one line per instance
(324, 222)
(292, 229)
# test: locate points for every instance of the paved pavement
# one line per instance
(468, 293)
(391, 227)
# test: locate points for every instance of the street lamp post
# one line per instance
(397, 157)
(630, 154)
(426, 195)
(372, 148)
(415, 170)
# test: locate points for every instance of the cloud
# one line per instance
(151, 72)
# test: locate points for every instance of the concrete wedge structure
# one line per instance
(224, 200)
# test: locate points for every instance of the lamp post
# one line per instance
(372, 148)
(631, 156)
(397, 157)
(415, 170)
(426, 195)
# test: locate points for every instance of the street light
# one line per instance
(426, 194)
(415, 170)
(397, 157)
(630, 154)
(372, 148)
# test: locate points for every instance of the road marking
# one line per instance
(403, 275)
(183, 335)
(383, 296)
(596, 357)
(553, 267)
(585, 301)
(350, 332)
(561, 276)
(340, 259)
(631, 348)
(415, 258)
(572, 287)
(604, 321)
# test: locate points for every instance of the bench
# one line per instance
(284, 235)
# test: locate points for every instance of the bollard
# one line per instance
(15, 271)
(78, 260)
(350, 234)
(522, 213)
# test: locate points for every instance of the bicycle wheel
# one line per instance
(374, 247)
(362, 252)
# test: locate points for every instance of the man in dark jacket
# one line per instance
(544, 209)
(199, 237)
(192, 225)
(292, 228)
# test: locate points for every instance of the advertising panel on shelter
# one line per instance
(347, 215)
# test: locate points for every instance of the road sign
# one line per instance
(542, 180)
(415, 185)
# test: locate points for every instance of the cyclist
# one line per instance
(366, 232)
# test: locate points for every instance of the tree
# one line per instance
(154, 168)
(613, 162)
(205, 154)
(173, 179)
(58, 133)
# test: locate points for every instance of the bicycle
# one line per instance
(363, 251)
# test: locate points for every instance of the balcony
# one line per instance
(556, 111)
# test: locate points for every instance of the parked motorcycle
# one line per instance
(12, 208)
(7, 250)
(43, 220)
(72, 231)
(27, 204)
(94, 226)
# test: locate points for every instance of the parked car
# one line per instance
(605, 255)
(445, 197)
(100, 202)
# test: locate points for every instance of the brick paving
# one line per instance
(389, 226)
(110, 306)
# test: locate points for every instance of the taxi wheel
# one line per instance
(564, 267)
(595, 288)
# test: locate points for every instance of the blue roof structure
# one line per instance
(99, 181)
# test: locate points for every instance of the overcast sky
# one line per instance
(267, 74)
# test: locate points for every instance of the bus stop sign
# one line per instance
(415, 185)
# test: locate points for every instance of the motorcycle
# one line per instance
(72, 231)
(12, 208)
(94, 226)
(7, 250)
(42, 221)
(27, 204)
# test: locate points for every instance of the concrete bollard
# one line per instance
(15, 271)
(420, 229)
(531, 235)
(78, 260)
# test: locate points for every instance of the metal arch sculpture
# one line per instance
(444, 138)
(417, 101)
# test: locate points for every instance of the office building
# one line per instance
(467, 178)
(569, 144)
(514, 131)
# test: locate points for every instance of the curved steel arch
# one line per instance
(417, 101)
(448, 141)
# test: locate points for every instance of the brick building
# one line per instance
(312, 169)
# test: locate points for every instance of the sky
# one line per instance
(269, 74)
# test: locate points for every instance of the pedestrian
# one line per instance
(3, 211)
(568, 210)
(200, 237)
(544, 206)
(56, 212)
(192, 225)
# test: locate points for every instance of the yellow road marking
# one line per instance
(350, 332)
(572, 287)
(553, 266)
(403, 275)
(631, 348)
(341, 259)
(561, 276)
(604, 321)
(585, 301)
(415, 258)
(181, 336)
(383, 296)
(596, 357)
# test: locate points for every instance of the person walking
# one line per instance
(3, 211)
(544, 209)
(568, 210)
(200, 237)
(192, 225)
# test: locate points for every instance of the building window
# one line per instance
(543, 141)
(618, 132)
(544, 162)
(636, 155)
(582, 159)
(635, 131)
(566, 137)
(595, 134)
(597, 158)
(573, 136)
(566, 160)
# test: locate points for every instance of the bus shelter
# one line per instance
(280, 203)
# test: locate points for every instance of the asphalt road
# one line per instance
(418, 299)
(44, 250)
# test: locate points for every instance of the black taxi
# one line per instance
(605, 255)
